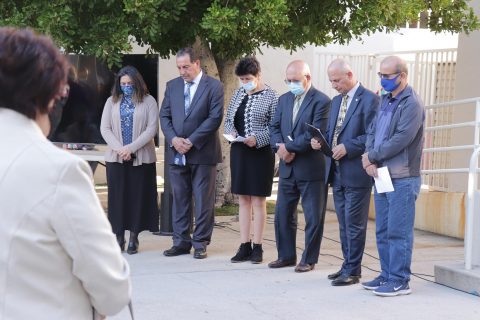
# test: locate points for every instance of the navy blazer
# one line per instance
(353, 135)
(309, 164)
(200, 125)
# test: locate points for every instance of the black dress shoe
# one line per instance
(200, 253)
(304, 267)
(335, 275)
(345, 280)
(282, 263)
(175, 251)
(132, 247)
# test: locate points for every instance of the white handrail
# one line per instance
(472, 192)
(470, 214)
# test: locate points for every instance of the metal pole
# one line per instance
(472, 194)
(166, 200)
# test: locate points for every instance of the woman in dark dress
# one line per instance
(249, 114)
(129, 124)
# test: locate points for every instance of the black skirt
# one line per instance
(132, 197)
(251, 170)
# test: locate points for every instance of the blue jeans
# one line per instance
(395, 216)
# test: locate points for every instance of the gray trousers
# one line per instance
(195, 181)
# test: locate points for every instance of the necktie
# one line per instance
(296, 107)
(186, 95)
(341, 117)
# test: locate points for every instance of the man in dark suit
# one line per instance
(190, 116)
(302, 169)
(352, 112)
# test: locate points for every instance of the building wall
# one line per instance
(467, 86)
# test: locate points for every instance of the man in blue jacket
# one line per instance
(395, 141)
(352, 112)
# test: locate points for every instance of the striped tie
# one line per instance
(296, 107)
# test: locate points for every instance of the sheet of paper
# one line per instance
(230, 138)
(383, 183)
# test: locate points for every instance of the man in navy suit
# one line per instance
(191, 114)
(302, 169)
(352, 112)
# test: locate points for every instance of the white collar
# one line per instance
(352, 91)
(196, 80)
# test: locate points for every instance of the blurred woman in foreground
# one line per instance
(58, 256)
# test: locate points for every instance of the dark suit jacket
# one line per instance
(353, 135)
(309, 164)
(200, 125)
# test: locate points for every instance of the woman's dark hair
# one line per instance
(32, 71)
(248, 65)
(140, 89)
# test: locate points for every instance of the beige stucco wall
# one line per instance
(466, 86)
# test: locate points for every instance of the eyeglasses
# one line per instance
(388, 76)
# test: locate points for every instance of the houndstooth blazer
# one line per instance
(259, 113)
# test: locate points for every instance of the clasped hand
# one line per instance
(125, 153)
(182, 145)
(284, 154)
(369, 167)
(250, 141)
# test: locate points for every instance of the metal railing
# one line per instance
(472, 247)
(431, 72)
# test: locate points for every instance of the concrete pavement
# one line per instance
(185, 288)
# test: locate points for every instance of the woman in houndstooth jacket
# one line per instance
(249, 114)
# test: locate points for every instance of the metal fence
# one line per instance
(431, 72)
(472, 221)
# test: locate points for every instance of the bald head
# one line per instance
(395, 63)
(299, 71)
(339, 65)
(299, 66)
(341, 76)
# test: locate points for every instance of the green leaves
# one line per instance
(231, 28)
(235, 28)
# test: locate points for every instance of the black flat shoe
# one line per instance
(121, 245)
(132, 247)
(345, 280)
(335, 275)
(121, 242)
(175, 251)
(200, 254)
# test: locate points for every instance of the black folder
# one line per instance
(317, 134)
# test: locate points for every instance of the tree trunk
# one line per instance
(226, 69)
(222, 69)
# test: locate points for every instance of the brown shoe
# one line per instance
(281, 263)
(304, 267)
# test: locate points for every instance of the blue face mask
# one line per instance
(249, 86)
(390, 84)
(296, 88)
(127, 90)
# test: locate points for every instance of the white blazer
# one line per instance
(58, 256)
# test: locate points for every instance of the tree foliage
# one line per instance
(231, 28)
